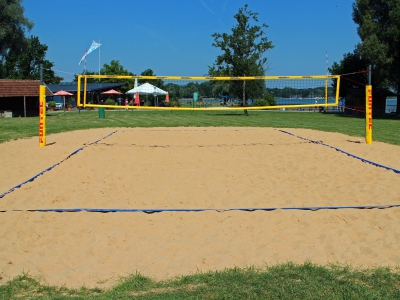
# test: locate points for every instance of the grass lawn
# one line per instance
(287, 281)
(385, 129)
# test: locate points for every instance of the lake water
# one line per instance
(390, 102)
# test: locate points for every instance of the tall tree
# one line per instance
(350, 64)
(26, 64)
(379, 29)
(13, 25)
(115, 68)
(242, 55)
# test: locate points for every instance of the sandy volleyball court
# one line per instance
(218, 168)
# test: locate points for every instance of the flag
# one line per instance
(93, 47)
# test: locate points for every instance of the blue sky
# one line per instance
(173, 37)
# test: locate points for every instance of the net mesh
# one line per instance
(191, 93)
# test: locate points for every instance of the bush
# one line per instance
(109, 102)
(173, 101)
(261, 102)
(270, 99)
(52, 104)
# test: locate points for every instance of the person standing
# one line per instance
(126, 103)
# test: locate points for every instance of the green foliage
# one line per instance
(379, 30)
(109, 102)
(25, 64)
(288, 92)
(205, 89)
(243, 55)
(270, 99)
(351, 63)
(2, 70)
(260, 102)
(51, 104)
(173, 103)
(115, 68)
(13, 25)
(157, 82)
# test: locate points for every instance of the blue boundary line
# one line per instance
(344, 152)
(152, 210)
(53, 166)
(149, 211)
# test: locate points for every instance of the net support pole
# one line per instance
(78, 94)
(42, 115)
(368, 114)
(42, 110)
(84, 91)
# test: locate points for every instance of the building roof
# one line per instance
(20, 88)
(73, 86)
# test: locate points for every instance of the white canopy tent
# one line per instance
(147, 89)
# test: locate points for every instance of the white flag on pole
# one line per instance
(93, 47)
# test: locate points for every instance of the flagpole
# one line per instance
(99, 62)
(99, 57)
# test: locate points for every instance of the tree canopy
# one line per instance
(115, 68)
(379, 29)
(350, 64)
(26, 64)
(242, 55)
(149, 72)
(13, 24)
(20, 57)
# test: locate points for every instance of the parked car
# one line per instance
(59, 105)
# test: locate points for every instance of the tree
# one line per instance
(243, 55)
(12, 29)
(25, 64)
(350, 64)
(174, 90)
(379, 29)
(157, 82)
(115, 68)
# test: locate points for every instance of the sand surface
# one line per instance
(218, 168)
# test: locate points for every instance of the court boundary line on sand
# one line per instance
(344, 152)
(151, 211)
(53, 166)
(280, 130)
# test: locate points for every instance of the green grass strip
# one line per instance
(385, 129)
(284, 281)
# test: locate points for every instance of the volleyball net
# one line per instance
(209, 93)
